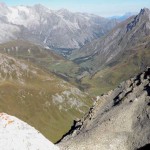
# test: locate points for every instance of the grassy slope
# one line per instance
(44, 58)
(32, 101)
(127, 65)
(103, 81)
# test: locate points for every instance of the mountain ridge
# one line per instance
(46, 27)
(117, 35)
(126, 46)
(118, 119)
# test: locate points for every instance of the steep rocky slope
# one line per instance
(128, 35)
(119, 120)
(18, 135)
(41, 99)
(58, 29)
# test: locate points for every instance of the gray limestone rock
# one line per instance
(119, 120)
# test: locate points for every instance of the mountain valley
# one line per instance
(81, 80)
(118, 56)
(40, 98)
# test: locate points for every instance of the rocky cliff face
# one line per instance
(118, 120)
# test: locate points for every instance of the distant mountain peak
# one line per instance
(40, 7)
(2, 4)
(63, 10)
(141, 17)
(144, 10)
(48, 27)
(124, 16)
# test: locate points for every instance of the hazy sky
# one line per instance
(100, 7)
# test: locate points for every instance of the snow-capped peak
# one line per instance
(18, 135)
(63, 11)
(47, 27)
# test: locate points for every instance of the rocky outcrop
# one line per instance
(18, 135)
(144, 12)
(119, 120)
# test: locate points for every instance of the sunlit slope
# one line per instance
(44, 58)
(126, 66)
(39, 98)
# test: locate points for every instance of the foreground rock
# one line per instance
(18, 135)
(119, 120)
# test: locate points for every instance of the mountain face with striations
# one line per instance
(119, 120)
(119, 55)
(18, 135)
(58, 29)
(127, 36)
